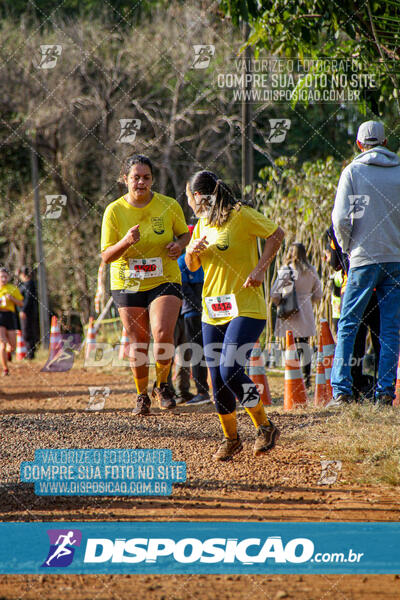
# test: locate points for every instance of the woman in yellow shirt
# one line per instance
(224, 243)
(137, 238)
(10, 297)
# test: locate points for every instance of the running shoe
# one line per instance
(143, 403)
(228, 448)
(267, 436)
(341, 400)
(5, 372)
(164, 396)
(199, 399)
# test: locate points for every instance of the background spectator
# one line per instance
(192, 287)
(308, 290)
(366, 220)
(29, 311)
(363, 385)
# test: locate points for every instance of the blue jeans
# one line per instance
(385, 278)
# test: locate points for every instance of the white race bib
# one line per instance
(222, 306)
(143, 268)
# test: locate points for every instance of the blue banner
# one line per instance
(194, 548)
(103, 472)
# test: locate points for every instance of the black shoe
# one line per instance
(143, 403)
(181, 398)
(384, 400)
(164, 396)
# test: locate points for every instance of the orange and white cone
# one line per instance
(20, 353)
(320, 397)
(328, 344)
(90, 339)
(55, 337)
(396, 401)
(256, 372)
(124, 345)
(295, 390)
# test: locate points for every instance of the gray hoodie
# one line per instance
(366, 215)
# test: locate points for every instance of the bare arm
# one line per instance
(114, 252)
(193, 252)
(14, 300)
(272, 245)
(175, 248)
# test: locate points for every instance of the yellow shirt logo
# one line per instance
(157, 224)
(223, 241)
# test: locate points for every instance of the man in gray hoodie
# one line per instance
(366, 220)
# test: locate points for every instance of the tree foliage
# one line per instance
(301, 200)
(366, 30)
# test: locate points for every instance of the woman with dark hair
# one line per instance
(308, 291)
(137, 238)
(224, 243)
(10, 297)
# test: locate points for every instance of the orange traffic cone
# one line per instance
(21, 347)
(320, 397)
(396, 401)
(90, 339)
(328, 344)
(295, 391)
(124, 345)
(256, 372)
(55, 337)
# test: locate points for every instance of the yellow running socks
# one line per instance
(257, 414)
(162, 372)
(142, 384)
(229, 425)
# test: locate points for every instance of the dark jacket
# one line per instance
(192, 287)
(28, 290)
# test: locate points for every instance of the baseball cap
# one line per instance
(371, 132)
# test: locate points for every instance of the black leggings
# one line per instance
(304, 352)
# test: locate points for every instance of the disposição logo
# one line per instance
(62, 547)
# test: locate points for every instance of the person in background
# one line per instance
(10, 297)
(363, 386)
(337, 282)
(366, 221)
(308, 291)
(192, 288)
(28, 312)
(181, 388)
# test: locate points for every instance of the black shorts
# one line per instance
(123, 299)
(8, 320)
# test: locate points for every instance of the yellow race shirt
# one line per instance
(11, 289)
(229, 259)
(144, 265)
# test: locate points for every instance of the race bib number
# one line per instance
(143, 268)
(222, 306)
